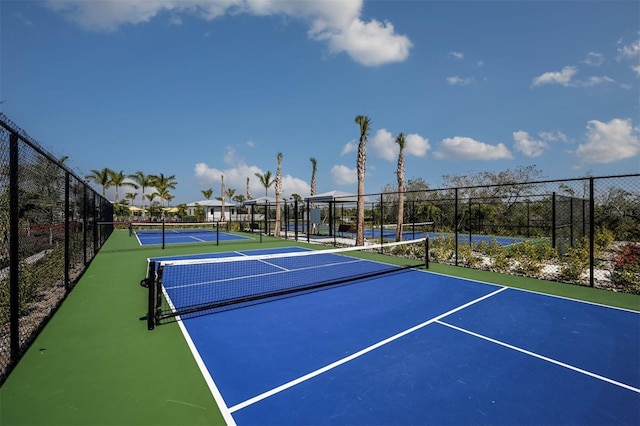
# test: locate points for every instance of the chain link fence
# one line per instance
(52, 226)
(583, 231)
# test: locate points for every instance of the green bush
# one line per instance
(466, 256)
(603, 238)
(442, 249)
(530, 258)
(575, 262)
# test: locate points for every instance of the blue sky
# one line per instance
(206, 88)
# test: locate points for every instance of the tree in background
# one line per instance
(314, 171)
(102, 178)
(400, 140)
(118, 179)
(207, 193)
(223, 195)
(278, 182)
(364, 122)
(163, 184)
(144, 182)
(248, 190)
(266, 180)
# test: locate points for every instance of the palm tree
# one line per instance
(248, 197)
(163, 184)
(223, 195)
(364, 122)
(130, 197)
(278, 182)
(144, 182)
(314, 170)
(102, 178)
(400, 140)
(207, 193)
(266, 180)
(118, 180)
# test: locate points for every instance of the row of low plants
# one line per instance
(536, 258)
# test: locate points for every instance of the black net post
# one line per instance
(150, 283)
(217, 233)
(163, 230)
(426, 252)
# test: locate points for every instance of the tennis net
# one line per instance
(191, 287)
(160, 228)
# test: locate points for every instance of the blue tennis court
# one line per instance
(182, 236)
(415, 347)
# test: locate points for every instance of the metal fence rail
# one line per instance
(52, 223)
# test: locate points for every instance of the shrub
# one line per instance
(603, 238)
(530, 258)
(575, 261)
(626, 269)
(466, 256)
(442, 249)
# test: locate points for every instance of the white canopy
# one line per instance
(259, 201)
(333, 196)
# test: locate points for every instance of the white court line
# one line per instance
(355, 355)
(542, 357)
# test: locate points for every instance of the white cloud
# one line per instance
(609, 142)
(337, 23)
(593, 81)
(368, 43)
(556, 77)
(464, 148)
(527, 145)
(384, 145)
(630, 51)
(416, 145)
(456, 55)
(594, 59)
(236, 178)
(565, 78)
(343, 175)
(459, 81)
(553, 136)
(350, 146)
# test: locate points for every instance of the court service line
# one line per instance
(358, 354)
(542, 357)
